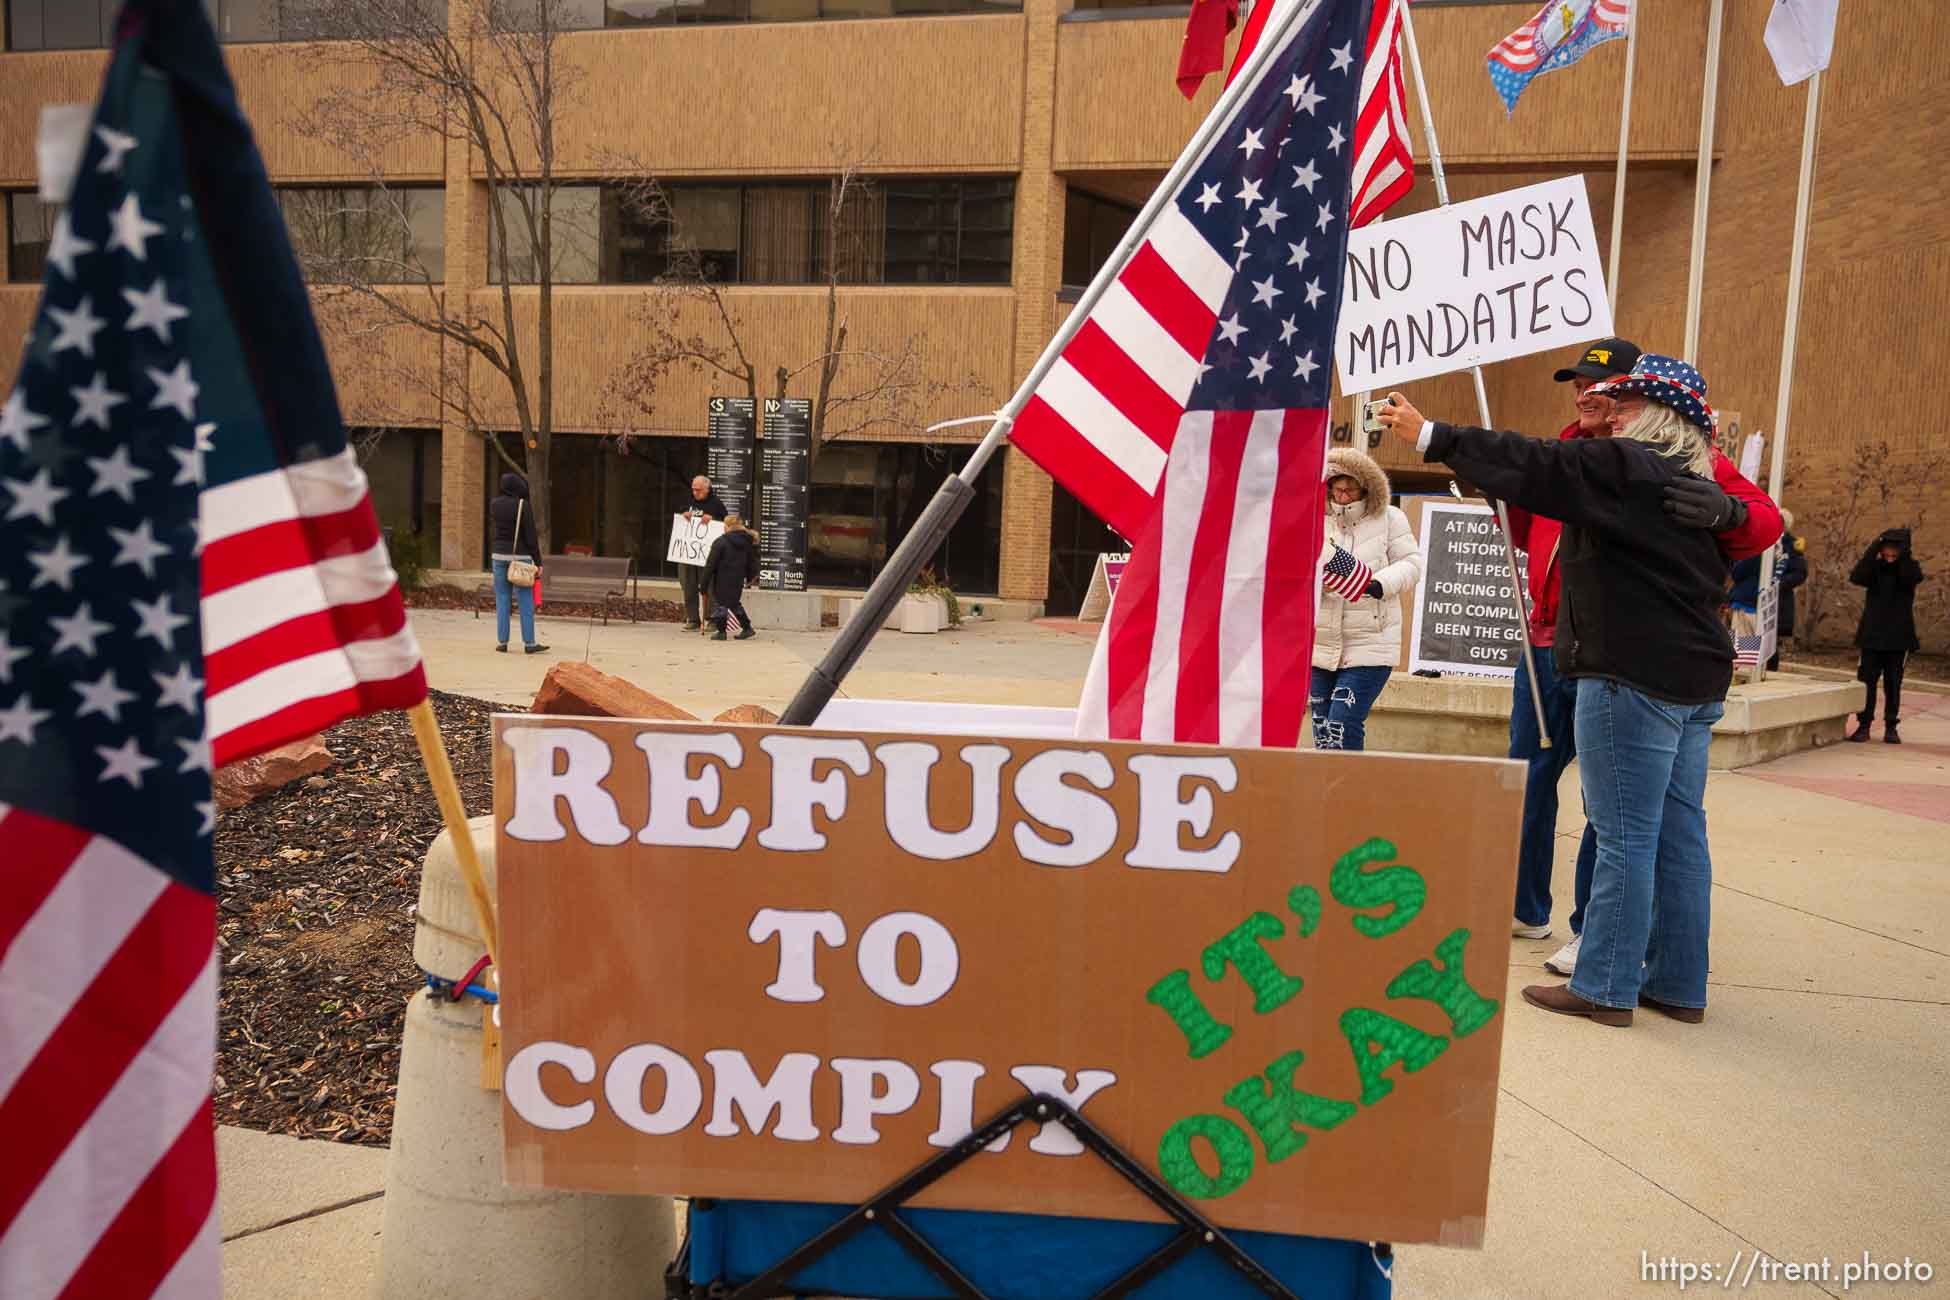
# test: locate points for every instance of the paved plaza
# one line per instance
(1806, 1118)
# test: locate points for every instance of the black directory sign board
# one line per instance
(1466, 614)
(731, 429)
(786, 464)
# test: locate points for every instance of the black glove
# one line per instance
(1373, 588)
(1695, 502)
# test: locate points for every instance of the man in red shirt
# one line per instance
(1745, 521)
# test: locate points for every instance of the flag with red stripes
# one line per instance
(189, 572)
(1203, 376)
(1384, 162)
(1556, 36)
(1344, 575)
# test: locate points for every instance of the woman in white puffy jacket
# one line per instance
(1356, 642)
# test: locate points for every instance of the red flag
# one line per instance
(1204, 49)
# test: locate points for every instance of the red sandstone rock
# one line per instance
(748, 713)
(236, 784)
(579, 689)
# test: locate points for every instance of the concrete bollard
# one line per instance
(451, 1228)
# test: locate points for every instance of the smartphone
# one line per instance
(1369, 424)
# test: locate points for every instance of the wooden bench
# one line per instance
(614, 575)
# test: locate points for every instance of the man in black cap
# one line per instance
(1538, 537)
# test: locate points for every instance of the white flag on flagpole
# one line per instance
(1750, 456)
(1801, 37)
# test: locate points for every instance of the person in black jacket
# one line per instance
(1790, 571)
(1638, 626)
(513, 516)
(1887, 633)
(731, 567)
(704, 502)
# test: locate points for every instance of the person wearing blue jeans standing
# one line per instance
(1358, 627)
(1537, 844)
(1639, 630)
(515, 538)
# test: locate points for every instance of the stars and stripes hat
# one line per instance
(1667, 381)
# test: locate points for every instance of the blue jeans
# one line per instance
(525, 596)
(1340, 699)
(1538, 847)
(1643, 763)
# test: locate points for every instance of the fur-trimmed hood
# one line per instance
(1362, 468)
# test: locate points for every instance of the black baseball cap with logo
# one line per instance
(1602, 360)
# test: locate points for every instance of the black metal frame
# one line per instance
(1195, 1229)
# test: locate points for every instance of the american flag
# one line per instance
(1104, 419)
(1554, 37)
(1215, 340)
(1344, 575)
(189, 572)
(1746, 651)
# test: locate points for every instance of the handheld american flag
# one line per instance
(189, 573)
(1344, 575)
(1215, 338)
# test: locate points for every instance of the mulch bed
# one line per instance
(445, 595)
(315, 886)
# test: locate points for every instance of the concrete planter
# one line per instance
(921, 614)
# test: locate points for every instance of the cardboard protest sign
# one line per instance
(1103, 586)
(1465, 285)
(1466, 611)
(780, 963)
(691, 537)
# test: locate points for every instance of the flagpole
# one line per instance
(1624, 144)
(1790, 337)
(1703, 180)
(1476, 376)
(954, 495)
(433, 753)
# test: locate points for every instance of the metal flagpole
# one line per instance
(1624, 141)
(1703, 180)
(1797, 262)
(1476, 376)
(954, 495)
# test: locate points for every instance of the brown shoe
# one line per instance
(1559, 998)
(1685, 1015)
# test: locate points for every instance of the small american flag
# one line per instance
(189, 572)
(1216, 339)
(1344, 575)
(1746, 651)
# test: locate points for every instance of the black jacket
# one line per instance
(502, 510)
(732, 563)
(1640, 597)
(710, 506)
(1889, 608)
(1790, 571)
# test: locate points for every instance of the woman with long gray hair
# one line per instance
(1639, 627)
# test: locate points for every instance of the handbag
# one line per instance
(521, 573)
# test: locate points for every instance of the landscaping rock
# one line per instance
(582, 690)
(757, 713)
(236, 784)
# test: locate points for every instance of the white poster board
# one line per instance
(1476, 282)
(1103, 585)
(1466, 613)
(691, 537)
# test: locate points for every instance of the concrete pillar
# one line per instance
(451, 1228)
(463, 500)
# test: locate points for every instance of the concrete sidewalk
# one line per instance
(1806, 1118)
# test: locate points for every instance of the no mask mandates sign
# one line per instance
(794, 965)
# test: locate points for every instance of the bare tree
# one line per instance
(1883, 490)
(690, 324)
(492, 85)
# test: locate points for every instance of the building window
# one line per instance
(30, 227)
(60, 24)
(367, 234)
(1091, 228)
(891, 231)
(403, 476)
(867, 496)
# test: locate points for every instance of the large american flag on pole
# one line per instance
(1217, 339)
(189, 572)
(1104, 419)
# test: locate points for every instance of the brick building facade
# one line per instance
(1061, 119)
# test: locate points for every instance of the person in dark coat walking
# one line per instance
(515, 538)
(731, 567)
(1887, 632)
